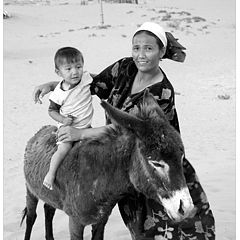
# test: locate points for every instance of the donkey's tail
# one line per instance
(24, 214)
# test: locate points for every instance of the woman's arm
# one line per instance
(42, 90)
(104, 82)
(67, 133)
(101, 86)
(165, 96)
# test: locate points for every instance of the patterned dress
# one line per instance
(145, 218)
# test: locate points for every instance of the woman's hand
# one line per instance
(42, 90)
(69, 134)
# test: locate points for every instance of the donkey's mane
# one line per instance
(109, 133)
(145, 111)
(158, 127)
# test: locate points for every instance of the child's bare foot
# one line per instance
(48, 181)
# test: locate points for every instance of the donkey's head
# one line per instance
(156, 168)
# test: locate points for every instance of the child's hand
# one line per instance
(68, 120)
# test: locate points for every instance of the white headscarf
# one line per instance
(156, 29)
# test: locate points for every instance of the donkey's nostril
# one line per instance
(180, 210)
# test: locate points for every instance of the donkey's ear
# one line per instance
(151, 105)
(124, 119)
(149, 99)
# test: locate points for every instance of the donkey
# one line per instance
(142, 152)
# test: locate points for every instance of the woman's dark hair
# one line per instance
(68, 54)
(159, 42)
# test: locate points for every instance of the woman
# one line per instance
(122, 84)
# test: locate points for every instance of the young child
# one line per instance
(70, 102)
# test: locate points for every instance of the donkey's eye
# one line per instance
(157, 164)
(160, 167)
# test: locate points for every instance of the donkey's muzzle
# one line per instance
(179, 206)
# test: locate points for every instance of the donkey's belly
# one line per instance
(51, 197)
(86, 208)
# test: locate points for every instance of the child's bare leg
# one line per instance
(57, 158)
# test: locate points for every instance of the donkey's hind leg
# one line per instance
(49, 212)
(30, 212)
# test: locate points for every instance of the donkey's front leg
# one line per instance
(76, 229)
(98, 229)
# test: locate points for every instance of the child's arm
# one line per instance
(54, 113)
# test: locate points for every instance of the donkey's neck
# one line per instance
(108, 157)
(108, 164)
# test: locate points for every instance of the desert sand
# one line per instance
(205, 90)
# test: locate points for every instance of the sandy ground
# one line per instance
(204, 85)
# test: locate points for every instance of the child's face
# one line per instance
(71, 72)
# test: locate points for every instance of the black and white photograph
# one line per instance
(119, 119)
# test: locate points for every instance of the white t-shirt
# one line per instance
(76, 101)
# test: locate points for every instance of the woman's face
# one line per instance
(145, 52)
